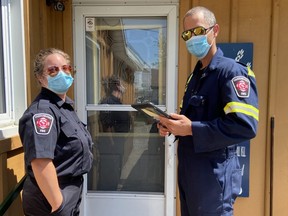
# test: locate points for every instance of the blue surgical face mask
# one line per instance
(198, 46)
(60, 83)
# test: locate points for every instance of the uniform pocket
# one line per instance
(218, 166)
(68, 141)
(197, 100)
(236, 183)
(68, 129)
(198, 103)
(61, 207)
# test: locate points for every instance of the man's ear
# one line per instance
(216, 30)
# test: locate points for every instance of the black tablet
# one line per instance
(151, 110)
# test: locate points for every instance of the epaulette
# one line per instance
(241, 63)
(43, 104)
(249, 70)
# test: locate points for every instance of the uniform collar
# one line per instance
(216, 59)
(116, 99)
(55, 98)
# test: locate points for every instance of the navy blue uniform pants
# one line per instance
(208, 182)
(35, 204)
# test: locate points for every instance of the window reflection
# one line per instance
(133, 49)
(125, 64)
(119, 122)
(127, 161)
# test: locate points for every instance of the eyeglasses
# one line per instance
(199, 30)
(54, 70)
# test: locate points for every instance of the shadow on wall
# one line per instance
(16, 206)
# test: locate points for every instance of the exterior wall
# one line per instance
(262, 22)
(46, 28)
(278, 106)
(11, 171)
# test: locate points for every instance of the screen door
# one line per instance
(123, 57)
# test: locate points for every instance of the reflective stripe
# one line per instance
(186, 86)
(250, 72)
(188, 81)
(247, 109)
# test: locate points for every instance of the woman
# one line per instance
(57, 146)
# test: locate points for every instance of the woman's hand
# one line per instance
(46, 177)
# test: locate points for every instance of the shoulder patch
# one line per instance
(241, 86)
(42, 123)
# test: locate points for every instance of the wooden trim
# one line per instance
(234, 21)
(184, 58)
(272, 80)
(27, 49)
(3, 177)
(10, 144)
(11, 170)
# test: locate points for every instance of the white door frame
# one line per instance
(80, 11)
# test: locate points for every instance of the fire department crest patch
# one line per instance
(42, 123)
(242, 86)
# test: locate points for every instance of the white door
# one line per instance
(124, 55)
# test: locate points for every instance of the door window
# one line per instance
(125, 64)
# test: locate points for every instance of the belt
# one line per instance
(63, 180)
(70, 179)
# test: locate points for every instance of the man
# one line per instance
(117, 121)
(219, 110)
(116, 125)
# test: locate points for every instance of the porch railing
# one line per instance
(11, 196)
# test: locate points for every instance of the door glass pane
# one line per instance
(133, 49)
(127, 161)
(125, 64)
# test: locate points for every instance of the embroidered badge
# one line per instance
(42, 123)
(242, 86)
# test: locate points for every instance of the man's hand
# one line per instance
(180, 125)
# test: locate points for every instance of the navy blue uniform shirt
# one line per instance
(118, 120)
(50, 128)
(222, 102)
